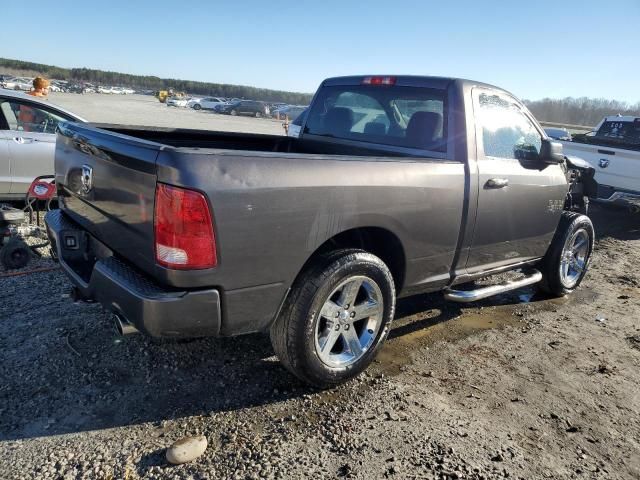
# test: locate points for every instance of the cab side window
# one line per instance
(506, 131)
(27, 117)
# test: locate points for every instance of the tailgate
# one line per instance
(107, 183)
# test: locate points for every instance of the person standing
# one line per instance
(40, 87)
(27, 115)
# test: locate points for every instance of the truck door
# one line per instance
(520, 199)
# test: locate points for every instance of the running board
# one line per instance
(466, 296)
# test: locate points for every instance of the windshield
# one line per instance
(409, 117)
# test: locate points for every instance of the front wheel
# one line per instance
(336, 318)
(566, 262)
(197, 106)
(233, 112)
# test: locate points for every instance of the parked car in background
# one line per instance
(290, 111)
(79, 88)
(218, 107)
(295, 127)
(613, 149)
(276, 106)
(177, 102)
(22, 83)
(246, 107)
(193, 100)
(206, 103)
(7, 82)
(27, 140)
(103, 89)
(558, 133)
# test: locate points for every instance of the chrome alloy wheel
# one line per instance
(349, 321)
(574, 258)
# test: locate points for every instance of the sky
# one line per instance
(534, 49)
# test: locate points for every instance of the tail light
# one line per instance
(379, 81)
(184, 236)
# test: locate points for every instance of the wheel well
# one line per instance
(378, 241)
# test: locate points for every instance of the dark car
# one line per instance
(288, 111)
(558, 133)
(246, 107)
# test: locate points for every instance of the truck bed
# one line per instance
(275, 200)
(189, 138)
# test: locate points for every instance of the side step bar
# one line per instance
(466, 296)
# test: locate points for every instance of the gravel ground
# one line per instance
(518, 386)
(147, 110)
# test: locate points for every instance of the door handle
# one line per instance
(497, 183)
(24, 139)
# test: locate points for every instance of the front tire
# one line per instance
(336, 318)
(567, 260)
(197, 106)
(233, 113)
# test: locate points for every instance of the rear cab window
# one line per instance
(410, 117)
(621, 130)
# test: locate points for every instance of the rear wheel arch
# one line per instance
(379, 241)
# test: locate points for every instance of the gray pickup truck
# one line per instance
(396, 186)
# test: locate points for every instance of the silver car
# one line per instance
(27, 140)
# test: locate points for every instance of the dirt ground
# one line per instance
(518, 386)
(147, 110)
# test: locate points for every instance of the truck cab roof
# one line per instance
(425, 81)
(621, 118)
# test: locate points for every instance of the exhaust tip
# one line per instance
(123, 326)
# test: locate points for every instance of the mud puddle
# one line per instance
(451, 322)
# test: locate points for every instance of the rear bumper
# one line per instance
(120, 288)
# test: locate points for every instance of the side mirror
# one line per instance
(551, 152)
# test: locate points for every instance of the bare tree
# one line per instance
(579, 111)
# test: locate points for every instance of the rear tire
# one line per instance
(567, 260)
(15, 254)
(336, 318)
(258, 115)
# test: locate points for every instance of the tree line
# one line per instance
(576, 111)
(579, 111)
(147, 82)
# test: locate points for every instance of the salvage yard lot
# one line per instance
(147, 110)
(517, 386)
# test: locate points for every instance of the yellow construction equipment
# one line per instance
(162, 95)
